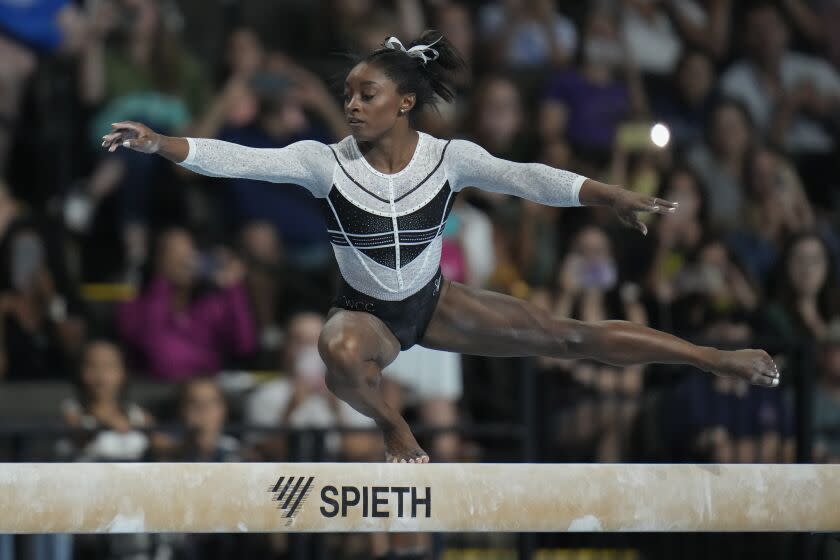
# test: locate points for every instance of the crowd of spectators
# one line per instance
(120, 269)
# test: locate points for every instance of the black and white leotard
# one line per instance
(386, 229)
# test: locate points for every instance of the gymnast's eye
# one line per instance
(367, 97)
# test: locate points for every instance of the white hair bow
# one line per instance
(424, 52)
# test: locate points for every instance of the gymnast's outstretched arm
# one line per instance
(470, 165)
(306, 163)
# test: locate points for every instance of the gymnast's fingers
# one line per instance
(657, 205)
(667, 205)
(130, 125)
(633, 221)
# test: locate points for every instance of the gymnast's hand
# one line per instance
(132, 135)
(627, 203)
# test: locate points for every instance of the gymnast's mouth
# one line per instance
(354, 121)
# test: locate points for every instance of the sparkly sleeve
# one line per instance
(306, 163)
(470, 165)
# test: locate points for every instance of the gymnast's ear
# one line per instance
(407, 103)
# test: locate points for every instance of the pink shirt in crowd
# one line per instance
(180, 344)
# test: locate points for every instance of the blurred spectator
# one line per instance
(713, 419)
(263, 255)
(200, 437)
(27, 30)
(18, 65)
(134, 68)
(135, 65)
(497, 122)
(828, 17)
(809, 21)
(827, 397)
(235, 103)
(497, 118)
(203, 413)
(362, 25)
(300, 399)
(656, 30)
(179, 326)
(683, 105)
(526, 33)
(292, 105)
(276, 289)
(113, 427)
(601, 400)
(777, 207)
(780, 206)
(537, 242)
(538, 237)
(45, 26)
(678, 235)
(721, 161)
(724, 420)
(42, 330)
(447, 120)
(712, 284)
(805, 297)
(793, 97)
(594, 97)
(454, 21)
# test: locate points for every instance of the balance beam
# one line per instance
(363, 497)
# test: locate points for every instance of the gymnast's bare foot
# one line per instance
(401, 447)
(755, 366)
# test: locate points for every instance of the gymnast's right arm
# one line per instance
(306, 163)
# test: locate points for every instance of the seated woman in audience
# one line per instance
(178, 325)
(203, 413)
(721, 161)
(805, 298)
(112, 426)
(777, 207)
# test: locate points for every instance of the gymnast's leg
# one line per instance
(485, 323)
(356, 346)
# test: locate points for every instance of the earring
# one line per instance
(402, 111)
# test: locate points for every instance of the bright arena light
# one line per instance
(660, 135)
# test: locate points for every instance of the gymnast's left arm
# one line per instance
(470, 165)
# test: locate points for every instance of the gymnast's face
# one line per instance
(372, 103)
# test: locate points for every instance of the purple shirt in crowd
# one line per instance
(594, 110)
(180, 344)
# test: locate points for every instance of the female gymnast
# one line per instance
(386, 192)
